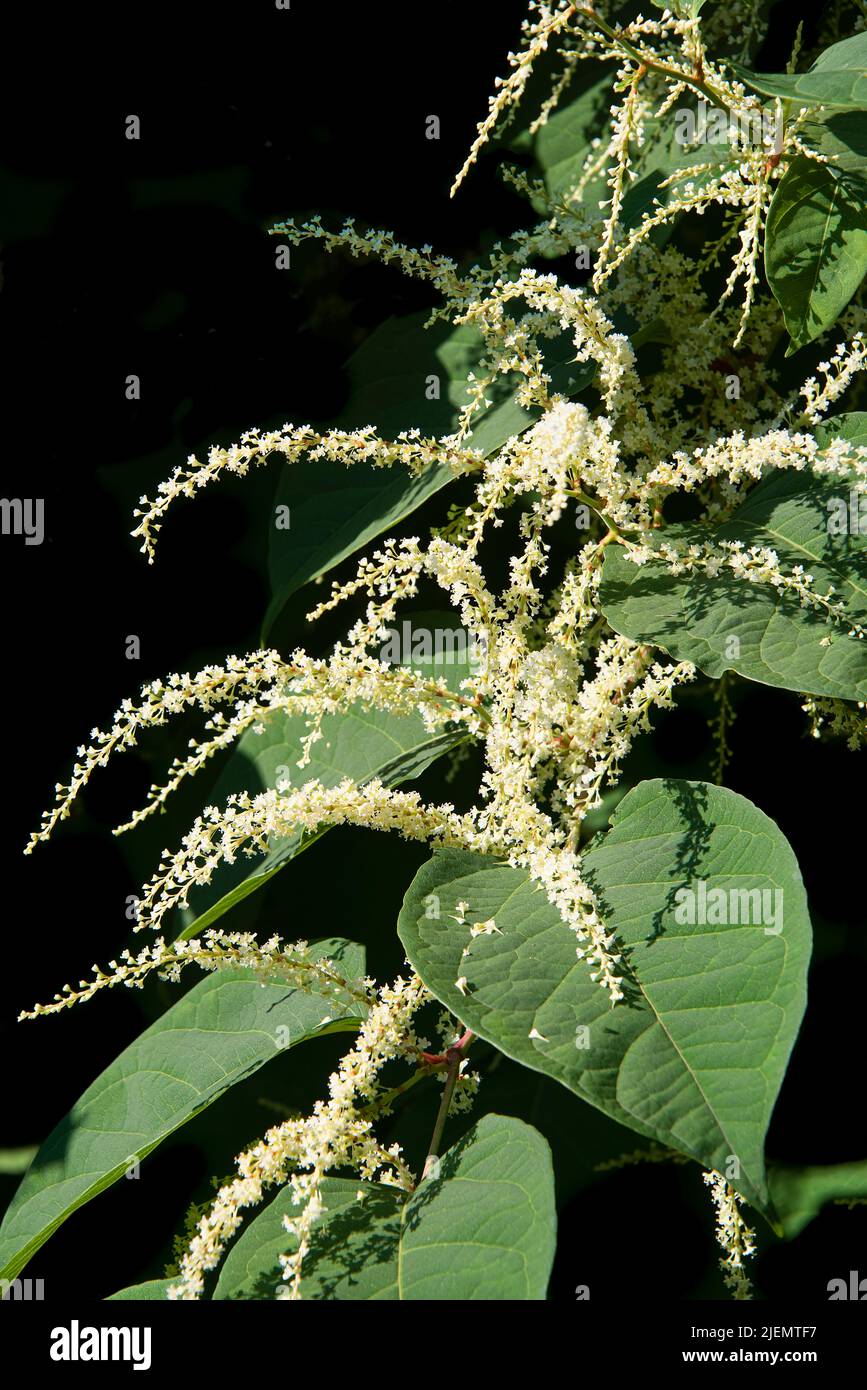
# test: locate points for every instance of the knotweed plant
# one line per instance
(639, 481)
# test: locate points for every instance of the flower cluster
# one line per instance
(215, 950)
(338, 1134)
(837, 719)
(561, 697)
(733, 1234)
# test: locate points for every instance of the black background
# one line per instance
(151, 257)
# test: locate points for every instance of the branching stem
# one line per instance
(454, 1055)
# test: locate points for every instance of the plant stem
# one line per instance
(384, 1101)
(595, 505)
(714, 96)
(455, 1056)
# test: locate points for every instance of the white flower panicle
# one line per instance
(410, 449)
(559, 698)
(537, 34)
(160, 700)
(215, 950)
(338, 1134)
(736, 1238)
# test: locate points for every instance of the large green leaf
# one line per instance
(837, 78)
(337, 510)
(799, 1194)
(251, 1269)
(483, 1228)
(218, 1034)
(725, 624)
(815, 247)
(696, 1056)
(360, 744)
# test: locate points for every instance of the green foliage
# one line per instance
(707, 1001)
(403, 376)
(155, 1289)
(494, 1190)
(621, 956)
(799, 1194)
(221, 1032)
(841, 138)
(837, 79)
(722, 624)
(816, 248)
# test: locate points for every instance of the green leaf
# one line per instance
(815, 248)
(695, 1060)
(346, 1259)
(841, 136)
(337, 510)
(360, 744)
(562, 144)
(799, 1194)
(151, 1289)
(726, 624)
(483, 1228)
(852, 427)
(837, 78)
(222, 1031)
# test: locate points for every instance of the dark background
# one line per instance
(151, 257)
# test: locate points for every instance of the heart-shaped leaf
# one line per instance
(696, 1056)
